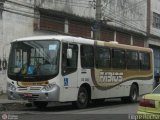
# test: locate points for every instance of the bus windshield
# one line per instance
(33, 60)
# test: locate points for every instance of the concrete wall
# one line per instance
(155, 8)
(84, 8)
(16, 22)
(12, 26)
(127, 14)
(19, 20)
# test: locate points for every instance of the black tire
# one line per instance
(82, 99)
(40, 104)
(134, 93)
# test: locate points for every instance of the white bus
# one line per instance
(57, 68)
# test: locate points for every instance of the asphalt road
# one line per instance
(110, 110)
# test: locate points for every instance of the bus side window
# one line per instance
(69, 65)
(103, 59)
(87, 56)
(132, 60)
(144, 60)
(118, 59)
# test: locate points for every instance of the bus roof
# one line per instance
(123, 46)
(58, 37)
(81, 40)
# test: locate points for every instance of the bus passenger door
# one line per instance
(69, 71)
(86, 65)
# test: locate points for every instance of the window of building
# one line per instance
(102, 57)
(132, 60)
(118, 58)
(156, 20)
(144, 61)
(48, 21)
(87, 56)
(1, 10)
(69, 65)
(156, 54)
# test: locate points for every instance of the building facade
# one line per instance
(124, 21)
(14, 23)
(154, 33)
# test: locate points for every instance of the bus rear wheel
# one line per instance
(82, 99)
(133, 94)
(40, 104)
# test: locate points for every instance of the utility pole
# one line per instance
(148, 16)
(97, 31)
(1, 8)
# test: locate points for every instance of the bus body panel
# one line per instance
(104, 82)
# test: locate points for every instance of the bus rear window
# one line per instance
(144, 60)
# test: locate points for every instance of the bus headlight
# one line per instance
(11, 87)
(48, 87)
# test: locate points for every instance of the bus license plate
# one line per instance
(27, 94)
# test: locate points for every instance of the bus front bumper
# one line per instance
(33, 95)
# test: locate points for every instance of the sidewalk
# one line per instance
(4, 99)
(11, 105)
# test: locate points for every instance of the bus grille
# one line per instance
(29, 89)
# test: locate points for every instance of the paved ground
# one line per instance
(110, 110)
(4, 99)
(17, 105)
(6, 104)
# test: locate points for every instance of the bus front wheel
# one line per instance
(82, 99)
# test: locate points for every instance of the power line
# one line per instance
(32, 15)
(120, 17)
(28, 15)
(35, 13)
(116, 12)
(80, 2)
(84, 5)
(47, 18)
(22, 13)
(20, 4)
(27, 6)
(129, 8)
(72, 4)
(115, 20)
(114, 17)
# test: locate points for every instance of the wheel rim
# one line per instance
(134, 94)
(82, 98)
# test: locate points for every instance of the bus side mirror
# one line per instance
(69, 53)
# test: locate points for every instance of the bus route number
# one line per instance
(85, 79)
